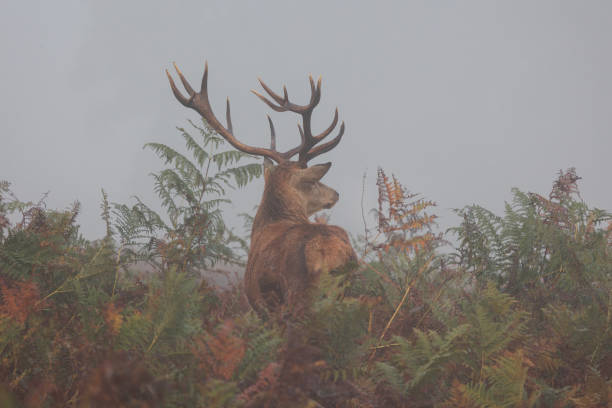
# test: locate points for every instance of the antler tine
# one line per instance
(290, 153)
(315, 92)
(274, 95)
(325, 147)
(199, 102)
(272, 134)
(302, 136)
(269, 103)
(188, 87)
(228, 116)
(327, 131)
(177, 94)
(204, 85)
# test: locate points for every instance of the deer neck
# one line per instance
(278, 206)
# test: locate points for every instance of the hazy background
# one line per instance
(461, 100)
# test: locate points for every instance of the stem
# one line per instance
(385, 346)
(365, 225)
(75, 278)
(154, 340)
(400, 304)
(435, 299)
(380, 274)
(117, 270)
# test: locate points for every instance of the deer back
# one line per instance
(286, 262)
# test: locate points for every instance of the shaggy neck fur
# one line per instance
(279, 204)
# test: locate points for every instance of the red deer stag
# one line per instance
(288, 253)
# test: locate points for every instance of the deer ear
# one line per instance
(317, 171)
(268, 166)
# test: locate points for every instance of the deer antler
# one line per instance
(306, 149)
(199, 102)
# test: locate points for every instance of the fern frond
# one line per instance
(241, 175)
(200, 155)
(171, 156)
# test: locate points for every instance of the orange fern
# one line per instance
(113, 318)
(19, 300)
(220, 353)
(267, 379)
(401, 218)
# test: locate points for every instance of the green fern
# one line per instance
(220, 394)
(191, 234)
(263, 345)
(503, 384)
(416, 365)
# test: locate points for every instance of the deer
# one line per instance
(288, 253)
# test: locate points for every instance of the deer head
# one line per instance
(293, 190)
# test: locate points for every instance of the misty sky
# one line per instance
(461, 100)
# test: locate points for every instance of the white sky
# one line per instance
(461, 100)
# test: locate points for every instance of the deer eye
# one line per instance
(307, 185)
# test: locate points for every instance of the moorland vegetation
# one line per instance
(516, 313)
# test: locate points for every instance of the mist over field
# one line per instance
(454, 249)
(461, 101)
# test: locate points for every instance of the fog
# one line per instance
(460, 100)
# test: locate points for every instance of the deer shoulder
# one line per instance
(328, 250)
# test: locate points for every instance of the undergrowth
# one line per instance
(517, 315)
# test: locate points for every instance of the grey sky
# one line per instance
(461, 100)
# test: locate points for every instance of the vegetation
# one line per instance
(517, 315)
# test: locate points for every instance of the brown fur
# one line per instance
(288, 253)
